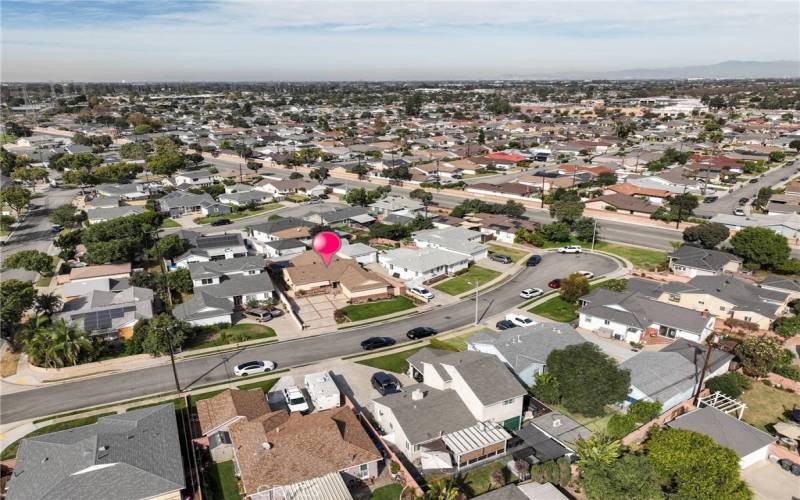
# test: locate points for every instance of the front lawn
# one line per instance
(640, 257)
(396, 362)
(388, 492)
(467, 281)
(557, 309)
(264, 385)
(238, 215)
(232, 334)
(358, 312)
(11, 450)
(767, 405)
(511, 252)
(221, 480)
(167, 223)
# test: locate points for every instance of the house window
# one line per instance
(721, 308)
(207, 281)
(508, 402)
(606, 322)
(701, 302)
(675, 297)
(748, 318)
(363, 471)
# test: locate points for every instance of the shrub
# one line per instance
(644, 411)
(788, 371)
(546, 389)
(620, 425)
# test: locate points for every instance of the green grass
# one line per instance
(234, 333)
(238, 215)
(44, 281)
(458, 343)
(640, 257)
(359, 312)
(167, 223)
(178, 403)
(461, 283)
(594, 424)
(388, 492)
(11, 450)
(222, 482)
(515, 254)
(297, 198)
(478, 481)
(767, 405)
(397, 362)
(264, 385)
(557, 309)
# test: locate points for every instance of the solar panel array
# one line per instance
(101, 320)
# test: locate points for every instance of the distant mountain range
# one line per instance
(723, 70)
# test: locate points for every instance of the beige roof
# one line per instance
(223, 407)
(309, 268)
(79, 273)
(300, 447)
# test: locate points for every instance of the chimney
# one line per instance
(417, 395)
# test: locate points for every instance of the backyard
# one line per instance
(221, 481)
(511, 252)
(359, 312)
(388, 492)
(396, 362)
(234, 333)
(479, 480)
(767, 405)
(594, 424)
(467, 281)
(238, 215)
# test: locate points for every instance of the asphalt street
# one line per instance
(201, 371)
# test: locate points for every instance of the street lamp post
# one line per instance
(477, 284)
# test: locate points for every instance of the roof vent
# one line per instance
(557, 422)
(103, 448)
(417, 395)
(266, 445)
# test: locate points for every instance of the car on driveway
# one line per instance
(571, 249)
(295, 400)
(253, 367)
(530, 293)
(421, 291)
(384, 383)
(261, 315)
(505, 324)
(520, 320)
(587, 274)
(533, 260)
(421, 332)
(376, 343)
(221, 222)
(503, 259)
(556, 283)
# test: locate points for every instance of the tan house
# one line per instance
(100, 271)
(308, 275)
(217, 414)
(277, 450)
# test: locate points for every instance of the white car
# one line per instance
(295, 399)
(571, 249)
(739, 211)
(520, 320)
(587, 274)
(421, 291)
(530, 293)
(253, 367)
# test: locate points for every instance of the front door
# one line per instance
(237, 302)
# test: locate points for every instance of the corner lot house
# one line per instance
(133, 455)
(693, 261)
(422, 264)
(179, 203)
(454, 239)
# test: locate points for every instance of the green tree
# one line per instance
(47, 304)
(443, 490)
(6, 221)
(295, 175)
(15, 198)
(120, 239)
(787, 326)
(546, 388)
(597, 451)
(319, 174)
(16, 297)
(566, 211)
(615, 285)
(531, 237)
(157, 330)
(644, 411)
(759, 355)
(133, 151)
(586, 229)
(761, 246)
(707, 235)
(142, 129)
(606, 179)
(574, 287)
(65, 216)
(180, 280)
(31, 260)
(578, 368)
(77, 161)
(29, 174)
(795, 144)
(731, 384)
(170, 246)
(59, 345)
(631, 477)
(620, 425)
(557, 231)
(116, 172)
(777, 156)
(413, 104)
(696, 466)
(360, 170)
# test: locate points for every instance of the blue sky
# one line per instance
(379, 39)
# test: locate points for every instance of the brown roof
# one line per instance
(625, 202)
(78, 273)
(301, 447)
(309, 268)
(504, 222)
(230, 404)
(632, 190)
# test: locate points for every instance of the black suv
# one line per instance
(221, 222)
(376, 343)
(533, 260)
(421, 332)
(505, 325)
(384, 383)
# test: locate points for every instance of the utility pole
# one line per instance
(163, 268)
(542, 205)
(477, 284)
(711, 342)
(594, 233)
(680, 206)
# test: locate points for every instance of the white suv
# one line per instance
(530, 293)
(571, 249)
(421, 291)
(295, 399)
(520, 320)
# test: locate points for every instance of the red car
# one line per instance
(556, 283)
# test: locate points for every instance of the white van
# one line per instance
(323, 391)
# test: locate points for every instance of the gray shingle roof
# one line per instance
(224, 267)
(700, 258)
(744, 295)
(281, 225)
(661, 375)
(202, 306)
(128, 456)
(531, 344)
(781, 282)
(561, 427)
(726, 430)
(241, 285)
(640, 311)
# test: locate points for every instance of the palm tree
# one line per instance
(58, 345)
(443, 490)
(47, 304)
(599, 449)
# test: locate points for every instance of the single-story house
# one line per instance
(308, 275)
(694, 261)
(622, 203)
(108, 314)
(96, 215)
(179, 203)
(210, 247)
(422, 264)
(216, 415)
(454, 239)
(361, 253)
(241, 199)
(204, 309)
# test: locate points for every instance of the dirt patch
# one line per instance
(8, 363)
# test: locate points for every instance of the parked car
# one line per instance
(253, 367)
(421, 332)
(505, 324)
(376, 343)
(710, 199)
(221, 222)
(384, 383)
(743, 201)
(421, 291)
(571, 249)
(55, 229)
(753, 181)
(587, 274)
(503, 259)
(274, 311)
(794, 415)
(533, 260)
(556, 283)
(738, 211)
(259, 314)
(784, 179)
(520, 320)
(530, 293)
(295, 400)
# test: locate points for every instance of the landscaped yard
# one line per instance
(767, 405)
(557, 309)
(479, 480)
(467, 281)
(11, 450)
(594, 424)
(358, 312)
(511, 252)
(221, 480)
(234, 333)
(167, 223)
(264, 385)
(238, 215)
(640, 257)
(391, 362)
(388, 492)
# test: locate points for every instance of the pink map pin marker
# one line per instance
(326, 244)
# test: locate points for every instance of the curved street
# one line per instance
(205, 370)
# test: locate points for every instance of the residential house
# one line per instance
(422, 264)
(215, 271)
(109, 314)
(216, 415)
(349, 216)
(132, 191)
(361, 253)
(241, 199)
(84, 287)
(749, 443)
(453, 239)
(239, 280)
(308, 275)
(654, 196)
(783, 204)
(281, 237)
(281, 189)
(692, 261)
(275, 451)
(178, 203)
(204, 309)
(210, 247)
(132, 455)
(458, 415)
(396, 204)
(100, 271)
(506, 189)
(193, 178)
(634, 317)
(525, 491)
(787, 225)
(622, 203)
(783, 284)
(96, 215)
(501, 227)
(525, 350)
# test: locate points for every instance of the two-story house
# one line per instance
(210, 248)
(281, 237)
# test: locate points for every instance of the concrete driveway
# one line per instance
(317, 311)
(769, 482)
